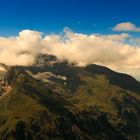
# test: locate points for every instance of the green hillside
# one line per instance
(91, 103)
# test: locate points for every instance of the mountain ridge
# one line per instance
(60, 101)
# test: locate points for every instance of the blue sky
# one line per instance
(117, 22)
(86, 16)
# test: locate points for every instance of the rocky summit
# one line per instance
(55, 100)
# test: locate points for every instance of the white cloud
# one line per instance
(126, 26)
(20, 50)
(108, 50)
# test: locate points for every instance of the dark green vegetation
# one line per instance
(91, 103)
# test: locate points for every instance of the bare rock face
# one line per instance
(4, 87)
(3, 70)
(3, 84)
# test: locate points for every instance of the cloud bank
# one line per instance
(126, 26)
(120, 52)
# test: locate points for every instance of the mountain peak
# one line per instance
(56, 100)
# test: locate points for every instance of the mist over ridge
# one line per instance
(120, 52)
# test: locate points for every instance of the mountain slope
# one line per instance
(60, 101)
(31, 111)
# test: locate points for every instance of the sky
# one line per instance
(86, 16)
(104, 32)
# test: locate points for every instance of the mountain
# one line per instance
(55, 100)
